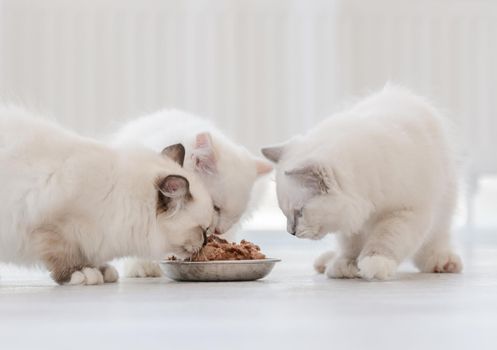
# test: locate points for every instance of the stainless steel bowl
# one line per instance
(217, 271)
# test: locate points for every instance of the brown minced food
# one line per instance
(220, 249)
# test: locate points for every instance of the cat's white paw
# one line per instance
(77, 277)
(141, 268)
(377, 267)
(110, 273)
(443, 263)
(86, 276)
(322, 261)
(342, 268)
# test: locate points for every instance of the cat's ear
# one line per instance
(315, 177)
(203, 155)
(174, 186)
(273, 153)
(263, 167)
(173, 190)
(175, 152)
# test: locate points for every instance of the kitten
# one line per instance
(228, 170)
(383, 175)
(73, 204)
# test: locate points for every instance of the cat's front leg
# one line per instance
(345, 266)
(86, 276)
(323, 260)
(393, 238)
(134, 267)
(90, 276)
(109, 273)
(64, 260)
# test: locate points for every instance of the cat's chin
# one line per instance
(314, 235)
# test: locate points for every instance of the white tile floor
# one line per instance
(291, 309)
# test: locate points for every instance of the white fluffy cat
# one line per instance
(383, 176)
(73, 204)
(228, 170)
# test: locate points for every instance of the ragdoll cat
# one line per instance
(383, 176)
(72, 204)
(228, 170)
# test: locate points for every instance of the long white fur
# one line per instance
(100, 198)
(231, 179)
(387, 183)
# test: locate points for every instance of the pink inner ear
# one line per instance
(205, 162)
(203, 140)
(203, 154)
(263, 167)
(174, 185)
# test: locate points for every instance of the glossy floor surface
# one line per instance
(293, 308)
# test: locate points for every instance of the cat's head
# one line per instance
(314, 198)
(184, 210)
(229, 173)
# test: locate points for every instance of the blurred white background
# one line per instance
(263, 70)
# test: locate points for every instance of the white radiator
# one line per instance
(263, 69)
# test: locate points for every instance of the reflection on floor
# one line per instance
(293, 308)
